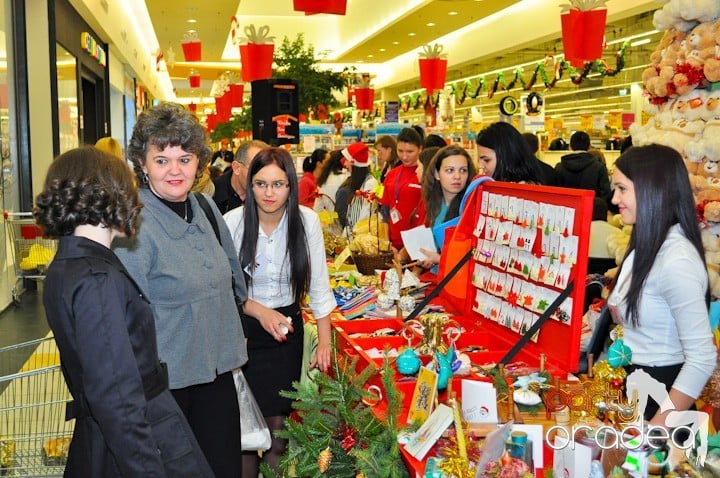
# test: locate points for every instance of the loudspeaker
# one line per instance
(275, 111)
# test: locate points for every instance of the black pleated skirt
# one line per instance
(273, 366)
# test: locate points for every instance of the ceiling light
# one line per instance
(396, 43)
(644, 41)
(411, 34)
(191, 20)
(370, 56)
(430, 24)
(452, 13)
(382, 49)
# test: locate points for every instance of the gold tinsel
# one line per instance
(603, 371)
(324, 459)
(453, 463)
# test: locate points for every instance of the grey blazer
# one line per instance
(187, 277)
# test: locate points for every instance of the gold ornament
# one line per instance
(324, 459)
(603, 371)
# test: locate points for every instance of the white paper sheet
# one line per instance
(415, 238)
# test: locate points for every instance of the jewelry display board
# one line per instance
(529, 242)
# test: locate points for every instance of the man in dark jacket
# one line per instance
(231, 187)
(581, 170)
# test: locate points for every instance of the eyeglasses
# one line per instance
(273, 185)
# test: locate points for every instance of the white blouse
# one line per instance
(673, 325)
(271, 279)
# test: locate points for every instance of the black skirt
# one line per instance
(273, 366)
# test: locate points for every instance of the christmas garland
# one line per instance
(600, 66)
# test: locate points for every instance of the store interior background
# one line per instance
(481, 38)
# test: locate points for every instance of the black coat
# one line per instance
(582, 170)
(105, 332)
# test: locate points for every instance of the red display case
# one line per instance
(484, 339)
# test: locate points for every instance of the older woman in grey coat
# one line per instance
(187, 274)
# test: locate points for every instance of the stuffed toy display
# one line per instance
(683, 82)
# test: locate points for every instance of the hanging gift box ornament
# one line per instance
(236, 94)
(223, 107)
(192, 46)
(256, 55)
(364, 95)
(433, 68)
(583, 30)
(212, 121)
(311, 7)
(364, 98)
(194, 78)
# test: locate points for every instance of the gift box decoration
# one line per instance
(192, 46)
(235, 93)
(433, 68)
(211, 121)
(194, 78)
(223, 107)
(364, 98)
(311, 7)
(256, 55)
(583, 30)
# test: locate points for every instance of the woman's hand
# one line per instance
(321, 359)
(323, 353)
(432, 258)
(271, 320)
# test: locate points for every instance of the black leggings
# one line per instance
(213, 414)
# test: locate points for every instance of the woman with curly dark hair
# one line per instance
(127, 421)
(186, 270)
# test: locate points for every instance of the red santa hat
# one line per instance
(357, 154)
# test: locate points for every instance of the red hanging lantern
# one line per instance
(311, 7)
(193, 108)
(192, 46)
(364, 98)
(257, 55)
(433, 68)
(194, 78)
(236, 94)
(583, 34)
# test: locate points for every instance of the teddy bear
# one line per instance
(700, 44)
(711, 68)
(711, 243)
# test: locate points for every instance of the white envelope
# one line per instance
(479, 402)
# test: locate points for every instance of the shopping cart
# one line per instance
(32, 253)
(34, 436)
